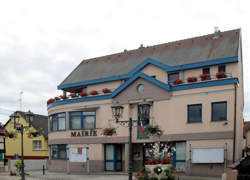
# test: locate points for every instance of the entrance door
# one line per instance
(113, 157)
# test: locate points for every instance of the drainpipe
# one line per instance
(235, 104)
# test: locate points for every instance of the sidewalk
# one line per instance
(35, 175)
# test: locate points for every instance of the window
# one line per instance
(82, 120)
(58, 152)
(206, 71)
(219, 111)
(172, 77)
(194, 113)
(37, 145)
(58, 122)
(222, 68)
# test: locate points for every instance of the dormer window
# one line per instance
(206, 70)
(222, 68)
(172, 77)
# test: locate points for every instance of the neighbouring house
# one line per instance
(2, 148)
(192, 89)
(247, 133)
(35, 141)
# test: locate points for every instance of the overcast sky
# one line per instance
(42, 41)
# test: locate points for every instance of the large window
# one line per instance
(222, 68)
(194, 113)
(58, 152)
(172, 77)
(219, 111)
(206, 70)
(58, 122)
(82, 120)
(37, 145)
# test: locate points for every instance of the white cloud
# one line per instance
(43, 41)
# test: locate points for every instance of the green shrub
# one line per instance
(18, 165)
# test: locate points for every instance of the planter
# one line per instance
(82, 94)
(57, 98)
(192, 79)
(109, 131)
(205, 77)
(153, 130)
(220, 75)
(158, 171)
(177, 81)
(106, 90)
(63, 97)
(93, 92)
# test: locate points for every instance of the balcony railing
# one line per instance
(201, 78)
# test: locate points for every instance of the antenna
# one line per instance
(20, 100)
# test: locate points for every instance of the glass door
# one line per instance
(113, 157)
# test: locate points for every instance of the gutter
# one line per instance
(235, 110)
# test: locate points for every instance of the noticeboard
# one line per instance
(78, 154)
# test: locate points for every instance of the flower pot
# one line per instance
(177, 81)
(158, 170)
(220, 75)
(73, 95)
(192, 79)
(82, 94)
(50, 101)
(63, 97)
(106, 90)
(205, 77)
(57, 98)
(93, 92)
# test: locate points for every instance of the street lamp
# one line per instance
(117, 112)
(19, 127)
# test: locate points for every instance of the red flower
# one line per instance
(72, 95)
(106, 90)
(83, 94)
(57, 98)
(220, 75)
(149, 162)
(63, 97)
(177, 81)
(157, 162)
(205, 77)
(50, 101)
(93, 92)
(192, 79)
(162, 161)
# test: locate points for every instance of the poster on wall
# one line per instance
(208, 155)
(78, 154)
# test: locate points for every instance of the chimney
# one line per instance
(141, 46)
(216, 32)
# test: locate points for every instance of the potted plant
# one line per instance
(106, 90)
(205, 77)
(50, 101)
(63, 97)
(82, 94)
(177, 81)
(93, 92)
(10, 134)
(73, 95)
(109, 131)
(192, 79)
(220, 75)
(151, 130)
(57, 98)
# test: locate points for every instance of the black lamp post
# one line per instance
(117, 112)
(19, 127)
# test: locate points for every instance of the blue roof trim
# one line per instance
(156, 63)
(205, 84)
(152, 80)
(144, 76)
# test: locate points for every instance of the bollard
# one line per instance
(43, 170)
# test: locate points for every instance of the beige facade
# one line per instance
(169, 108)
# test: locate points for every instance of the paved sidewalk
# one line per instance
(35, 175)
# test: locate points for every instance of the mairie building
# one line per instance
(193, 90)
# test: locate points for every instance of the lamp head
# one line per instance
(117, 112)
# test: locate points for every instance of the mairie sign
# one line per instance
(84, 133)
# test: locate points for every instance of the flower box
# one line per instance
(73, 95)
(192, 79)
(205, 77)
(82, 94)
(11, 134)
(93, 92)
(220, 75)
(109, 131)
(106, 90)
(153, 130)
(57, 98)
(50, 101)
(158, 171)
(63, 97)
(33, 134)
(177, 81)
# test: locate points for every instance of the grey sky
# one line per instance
(42, 41)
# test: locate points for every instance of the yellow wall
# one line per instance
(13, 145)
